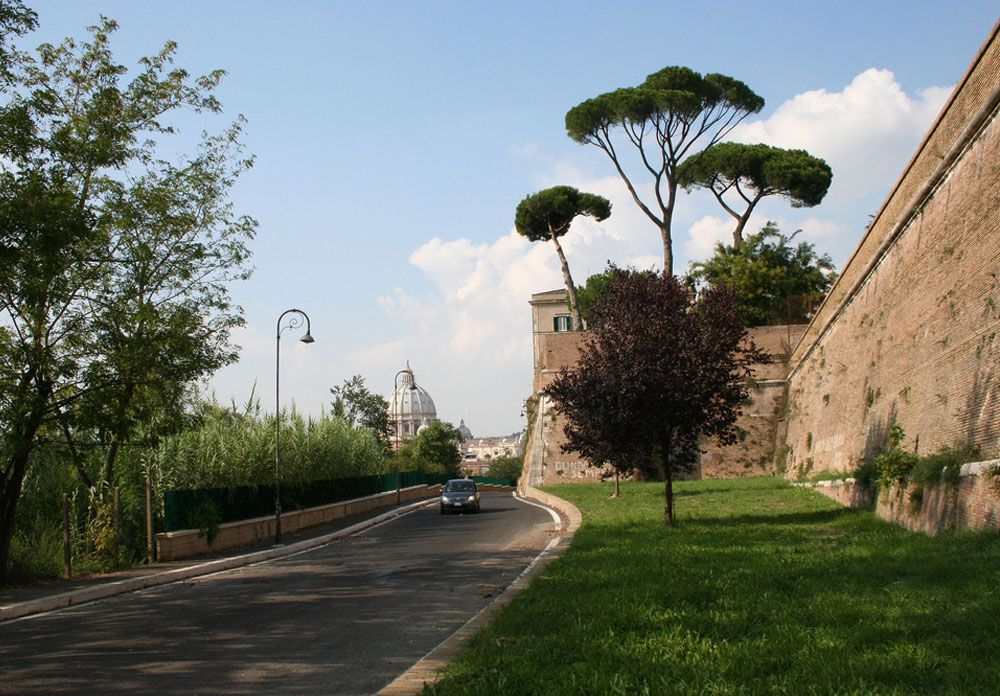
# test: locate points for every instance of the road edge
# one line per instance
(426, 670)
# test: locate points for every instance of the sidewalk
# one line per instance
(17, 602)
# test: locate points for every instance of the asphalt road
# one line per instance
(346, 618)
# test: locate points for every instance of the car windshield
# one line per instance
(459, 487)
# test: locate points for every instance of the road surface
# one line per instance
(346, 618)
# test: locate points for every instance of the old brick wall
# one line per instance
(911, 331)
(752, 455)
(972, 504)
(754, 452)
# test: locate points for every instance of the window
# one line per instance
(564, 323)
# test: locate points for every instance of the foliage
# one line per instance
(506, 468)
(15, 20)
(655, 374)
(228, 448)
(764, 589)
(662, 119)
(434, 450)
(944, 466)
(753, 172)
(765, 270)
(548, 215)
(360, 408)
(114, 263)
(894, 466)
(589, 293)
(219, 448)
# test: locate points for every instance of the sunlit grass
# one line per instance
(760, 588)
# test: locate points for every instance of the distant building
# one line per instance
(464, 431)
(486, 449)
(410, 407)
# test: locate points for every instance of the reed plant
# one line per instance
(230, 449)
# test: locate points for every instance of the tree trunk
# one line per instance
(668, 504)
(738, 232)
(570, 288)
(10, 493)
(665, 226)
(30, 398)
(668, 253)
(11, 481)
(668, 479)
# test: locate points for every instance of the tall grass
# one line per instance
(222, 448)
(229, 449)
(761, 588)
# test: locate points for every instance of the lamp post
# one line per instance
(395, 410)
(294, 322)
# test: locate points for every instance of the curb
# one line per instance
(102, 591)
(425, 671)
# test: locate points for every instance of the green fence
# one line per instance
(206, 507)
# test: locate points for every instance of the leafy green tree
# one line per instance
(15, 20)
(506, 467)
(753, 172)
(662, 119)
(547, 215)
(434, 449)
(655, 374)
(764, 271)
(114, 263)
(359, 407)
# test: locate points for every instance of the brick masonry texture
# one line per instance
(911, 332)
(752, 455)
(972, 504)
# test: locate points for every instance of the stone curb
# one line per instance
(426, 670)
(102, 591)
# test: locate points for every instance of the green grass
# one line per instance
(760, 588)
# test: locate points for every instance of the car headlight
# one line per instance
(472, 498)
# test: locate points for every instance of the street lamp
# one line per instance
(294, 322)
(395, 410)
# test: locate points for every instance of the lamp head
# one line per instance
(308, 338)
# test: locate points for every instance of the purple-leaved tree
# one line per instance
(657, 372)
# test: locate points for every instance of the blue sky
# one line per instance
(395, 139)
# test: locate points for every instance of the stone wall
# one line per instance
(752, 455)
(972, 504)
(910, 333)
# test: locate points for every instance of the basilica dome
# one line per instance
(410, 406)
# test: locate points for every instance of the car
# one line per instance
(460, 495)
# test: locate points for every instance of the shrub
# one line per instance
(894, 466)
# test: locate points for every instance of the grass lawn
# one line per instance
(760, 588)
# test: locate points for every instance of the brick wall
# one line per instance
(752, 455)
(973, 504)
(911, 331)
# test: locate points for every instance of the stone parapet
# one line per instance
(185, 543)
(973, 503)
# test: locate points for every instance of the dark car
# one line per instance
(460, 494)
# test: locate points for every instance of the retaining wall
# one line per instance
(910, 333)
(974, 503)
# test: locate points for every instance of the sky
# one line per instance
(394, 140)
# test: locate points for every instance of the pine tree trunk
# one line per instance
(570, 288)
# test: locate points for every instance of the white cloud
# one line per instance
(866, 132)
(469, 339)
(705, 234)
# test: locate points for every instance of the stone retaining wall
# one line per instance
(974, 503)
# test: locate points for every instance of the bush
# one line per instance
(894, 466)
